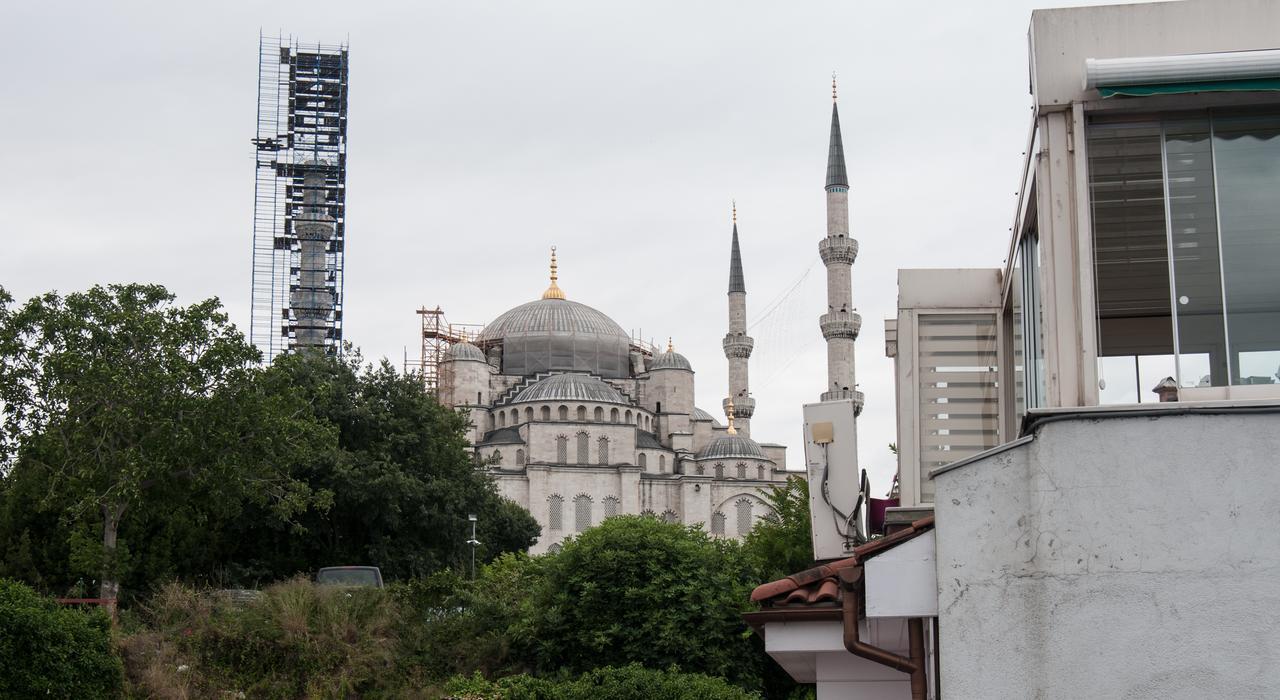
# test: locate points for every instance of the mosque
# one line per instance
(577, 422)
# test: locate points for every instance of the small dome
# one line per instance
(732, 446)
(671, 360)
(699, 414)
(464, 351)
(569, 387)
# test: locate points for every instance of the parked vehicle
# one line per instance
(355, 576)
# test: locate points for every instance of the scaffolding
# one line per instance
(437, 335)
(299, 213)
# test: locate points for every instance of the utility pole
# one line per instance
(474, 543)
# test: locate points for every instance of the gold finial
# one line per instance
(670, 347)
(728, 409)
(833, 86)
(735, 211)
(554, 291)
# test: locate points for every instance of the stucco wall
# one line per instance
(1125, 557)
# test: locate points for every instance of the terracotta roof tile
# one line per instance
(818, 585)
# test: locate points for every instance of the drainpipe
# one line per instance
(851, 609)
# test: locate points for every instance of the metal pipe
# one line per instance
(915, 633)
(851, 611)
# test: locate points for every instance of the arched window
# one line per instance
(546, 413)
(602, 450)
(669, 516)
(742, 470)
(610, 506)
(662, 464)
(555, 512)
(554, 549)
(493, 421)
(648, 513)
(582, 413)
(719, 471)
(599, 414)
(515, 416)
(581, 512)
(717, 523)
(564, 413)
(519, 458)
(701, 470)
(644, 461)
(562, 450)
(613, 415)
(659, 408)
(479, 400)
(760, 472)
(528, 414)
(744, 516)
(584, 448)
(502, 419)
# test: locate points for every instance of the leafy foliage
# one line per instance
(402, 480)
(115, 394)
(48, 651)
(781, 543)
(636, 589)
(630, 682)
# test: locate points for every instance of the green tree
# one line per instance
(631, 682)
(781, 543)
(114, 395)
(402, 478)
(636, 589)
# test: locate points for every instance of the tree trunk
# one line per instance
(109, 589)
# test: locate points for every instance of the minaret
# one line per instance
(840, 324)
(737, 344)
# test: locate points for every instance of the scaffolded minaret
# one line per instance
(840, 324)
(737, 344)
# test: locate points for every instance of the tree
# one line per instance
(636, 589)
(49, 651)
(117, 394)
(781, 543)
(402, 478)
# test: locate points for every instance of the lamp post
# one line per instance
(474, 543)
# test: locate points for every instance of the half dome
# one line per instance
(569, 387)
(732, 447)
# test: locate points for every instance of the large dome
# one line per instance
(551, 334)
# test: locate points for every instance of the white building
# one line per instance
(577, 422)
(1090, 538)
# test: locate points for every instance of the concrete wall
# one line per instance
(1123, 557)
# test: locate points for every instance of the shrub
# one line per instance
(48, 651)
(631, 682)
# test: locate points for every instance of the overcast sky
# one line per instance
(481, 133)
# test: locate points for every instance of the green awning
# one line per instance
(1254, 84)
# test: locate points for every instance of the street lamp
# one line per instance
(474, 543)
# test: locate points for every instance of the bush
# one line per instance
(636, 589)
(631, 682)
(49, 651)
(296, 640)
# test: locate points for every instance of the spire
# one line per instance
(728, 410)
(836, 175)
(554, 291)
(737, 283)
(670, 346)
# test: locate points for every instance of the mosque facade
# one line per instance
(576, 422)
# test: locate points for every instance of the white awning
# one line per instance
(1185, 68)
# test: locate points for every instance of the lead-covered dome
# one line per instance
(551, 334)
(569, 387)
(732, 447)
(464, 351)
(671, 360)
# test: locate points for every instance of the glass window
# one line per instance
(1186, 242)
(562, 450)
(584, 446)
(743, 507)
(582, 512)
(555, 512)
(610, 506)
(717, 523)
(602, 450)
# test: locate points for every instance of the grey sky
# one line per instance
(481, 133)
